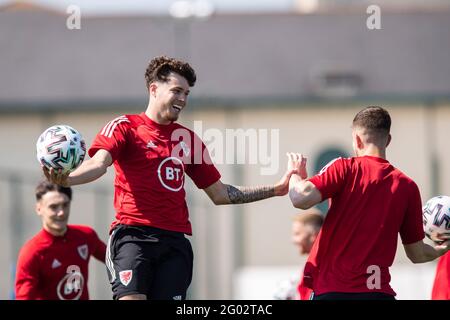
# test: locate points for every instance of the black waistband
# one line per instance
(150, 230)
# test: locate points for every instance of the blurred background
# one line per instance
(302, 67)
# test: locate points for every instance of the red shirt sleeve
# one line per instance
(411, 229)
(27, 275)
(201, 169)
(330, 179)
(112, 138)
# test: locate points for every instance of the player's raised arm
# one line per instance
(88, 171)
(221, 193)
(303, 193)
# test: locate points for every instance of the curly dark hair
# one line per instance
(160, 68)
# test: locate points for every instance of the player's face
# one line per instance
(54, 209)
(171, 97)
(303, 237)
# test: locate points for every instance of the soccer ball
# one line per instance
(61, 147)
(436, 215)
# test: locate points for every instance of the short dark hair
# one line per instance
(160, 68)
(375, 119)
(45, 186)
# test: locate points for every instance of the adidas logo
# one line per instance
(56, 264)
(176, 298)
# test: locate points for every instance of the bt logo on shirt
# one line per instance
(70, 287)
(171, 174)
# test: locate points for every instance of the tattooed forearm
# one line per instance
(239, 194)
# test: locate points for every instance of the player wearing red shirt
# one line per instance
(441, 285)
(53, 265)
(150, 161)
(305, 228)
(371, 203)
(148, 256)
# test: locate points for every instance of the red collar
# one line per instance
(51, 238)
(151, 123)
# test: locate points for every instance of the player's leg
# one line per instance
(173, 272)
(134, 297)
(128, 264)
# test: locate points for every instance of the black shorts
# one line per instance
(150, 261)
(354, 296)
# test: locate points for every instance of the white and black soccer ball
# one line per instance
(61, 147)
(436, 215)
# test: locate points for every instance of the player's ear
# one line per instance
(389, 138)
(38, 207)
(359, 142)
(152, 89)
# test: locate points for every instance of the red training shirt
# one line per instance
(371, 202)
(56, 268)
(150, 161)
(303, 292)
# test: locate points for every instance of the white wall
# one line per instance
(410, 282)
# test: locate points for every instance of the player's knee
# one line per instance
(134, 297)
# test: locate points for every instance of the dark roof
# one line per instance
(235, 56)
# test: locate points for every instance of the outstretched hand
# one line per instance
(442, 241)
(282, 186)
(297, 164)
(56, 176)
(443, 247)
(439, 237)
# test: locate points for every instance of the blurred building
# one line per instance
(303, 75)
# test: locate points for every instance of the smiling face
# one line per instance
(168, 98)
(54, 210)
